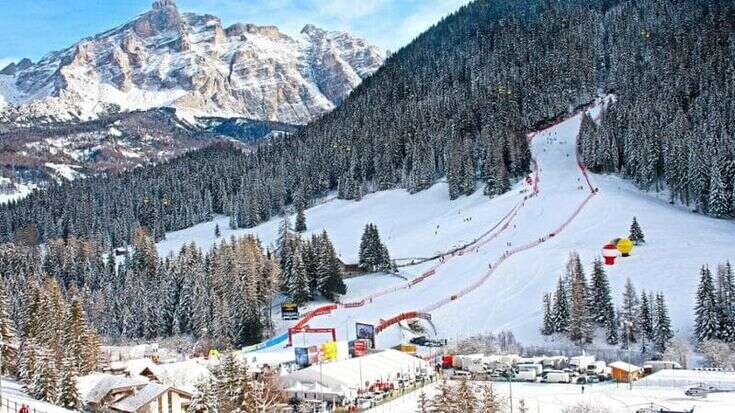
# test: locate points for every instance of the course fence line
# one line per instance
(511, 252)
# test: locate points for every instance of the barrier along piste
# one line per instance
(384, 324)
(302, 325)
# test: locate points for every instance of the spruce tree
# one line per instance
(490, 401)
(580, 322)
(444, 401)
(548, 324)
(636, 233)
(645, 322)
(298, 288)
(300, 225)
(726, 302)
(629, 315)
(560, 310)
(466, 401)
(217, 232)
(422, 403)
(662, 330)
(68, 394)
(8, 336)
(45, 380)
(329, 270)
(718, 202)
(707, 316)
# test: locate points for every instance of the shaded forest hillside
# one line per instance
(457, 102)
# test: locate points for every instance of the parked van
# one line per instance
(557, 376)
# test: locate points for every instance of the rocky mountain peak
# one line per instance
(164, 57)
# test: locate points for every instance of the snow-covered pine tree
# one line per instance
(490, 401)
(707, 316)
(445, 399)
(629, 315)
(601, 305)
(373, 254)
(68, 394)
(547, 328)
(245, 401)
(719, 204)
(300, 225)
(560, 310)
(636, 233)
(726, 302)
(645, 322)
(298, 287)
(203, 399)
(466, 401)
(8, 336)
(45, 380)
(662, 330)
(422, 403)
(217, 232)
(228, 385)
(580, 320)
(329, 270)
(27, 362)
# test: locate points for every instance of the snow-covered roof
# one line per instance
(109, 383)
(621, 365)
(147, 394)
(353, 373)
(184, 374)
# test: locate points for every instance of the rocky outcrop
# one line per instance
(168, 58)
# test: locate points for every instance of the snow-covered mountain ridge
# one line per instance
(164, 57)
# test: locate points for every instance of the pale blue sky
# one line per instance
(32, 28)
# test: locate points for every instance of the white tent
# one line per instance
(353, 374)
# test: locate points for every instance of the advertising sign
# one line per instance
(289, 311)
(302, 356)
(329, 351)
(367, 332)
(313, 352)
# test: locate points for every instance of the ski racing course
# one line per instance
(499, 254)
(472, 247)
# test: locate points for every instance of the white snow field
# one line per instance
(616, 398)
(510, 297)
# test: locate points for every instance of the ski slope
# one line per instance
(509, 295)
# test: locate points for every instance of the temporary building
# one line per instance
(624, 372)
(344, 378)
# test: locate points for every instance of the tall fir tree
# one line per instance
(726, 302)
(560, 310)
(707, 317)
(629, 315)
(547, 328)
(645, 322)
(662, 330)
(580, 320)
(68, 394)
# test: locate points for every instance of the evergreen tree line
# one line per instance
(373, 255)
(715, 306)
(687, 60)
(577, 309)
(52, 345)
(232, 388)
(222, 296)
(464, 396)
(310, 267)
(457, 103)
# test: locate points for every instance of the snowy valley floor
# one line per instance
(422, 224)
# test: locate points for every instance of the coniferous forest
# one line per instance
(457, 103)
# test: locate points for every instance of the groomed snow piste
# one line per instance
(679, 242)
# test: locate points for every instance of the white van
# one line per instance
(557, 376)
